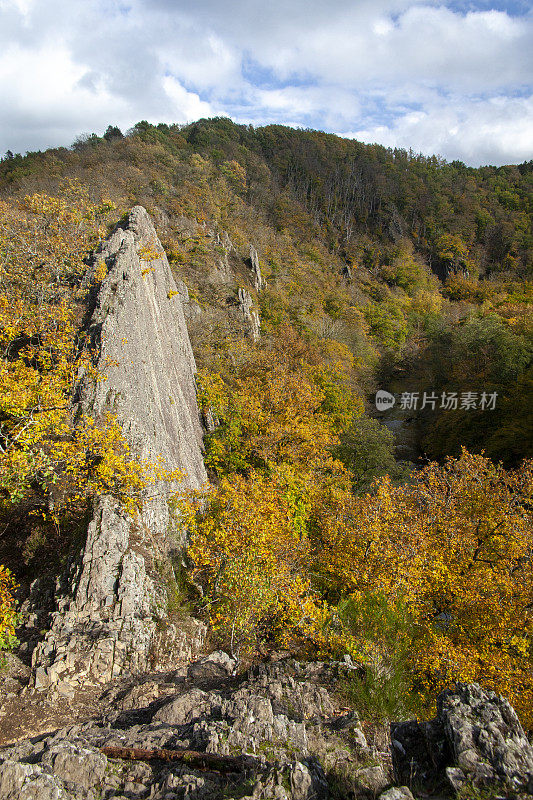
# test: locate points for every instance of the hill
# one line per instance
(418, 269)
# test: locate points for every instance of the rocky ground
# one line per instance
(277, 731)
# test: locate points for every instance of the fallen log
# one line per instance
(193, 758)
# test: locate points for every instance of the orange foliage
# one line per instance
(456, 548)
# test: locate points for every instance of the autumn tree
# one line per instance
(8, 616)
(45, 459)
(273, 459)
(250, 553)
(455, 547)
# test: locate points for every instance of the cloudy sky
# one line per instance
(451, 77)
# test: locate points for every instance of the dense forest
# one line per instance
(321, 532)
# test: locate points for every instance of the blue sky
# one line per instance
(451, 78)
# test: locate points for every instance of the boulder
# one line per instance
(212, 667)
(372, 780)
(185, 708)
(397, 793)
(78, 767)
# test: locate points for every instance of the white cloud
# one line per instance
(406, 72)
(498, 130)
(307, 102)
(22, 6)
(212, 66)
(186, 106)
(478, 51)
(43, 92)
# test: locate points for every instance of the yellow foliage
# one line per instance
(252, 544)
(274, 413)
(250, 558)
(43, 456)
(235, 173)
(278, 547)
(100, 272)
(149, 253)
(8, 616)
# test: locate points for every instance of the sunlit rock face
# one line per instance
(105, 621)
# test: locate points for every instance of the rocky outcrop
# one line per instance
(105, 622)
(278, 731)
(257, 277)
(276, 718)
(222, 240)
(252, 321)
(475, 738)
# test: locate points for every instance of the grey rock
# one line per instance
(104, 624)
(65, 689)
(212, 667)
(308, 781)
(456, 778)
(486, 738)
(223, 240)
(251, 318)
(13, 776)
(222, 273)
(272, 714)
(301, 782)
(41, 679)
(140, 696)
(397, 793)
(372, 779)
(257, 277)
(78, 767)
(185, 708)
(476, 736)
(28, 782)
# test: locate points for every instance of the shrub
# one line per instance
(384, 690)
(8, 615)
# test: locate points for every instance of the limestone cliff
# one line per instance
(105, 619)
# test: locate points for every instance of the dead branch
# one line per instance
(193, 758)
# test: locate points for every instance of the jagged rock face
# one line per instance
(475, 737)
(276, 714)
(283, 722)
(257, 277)
(486, 738)
(144, 351)
(251, 318)
(105, 619)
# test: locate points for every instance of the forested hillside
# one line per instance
(315, 271)
(422, 269)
